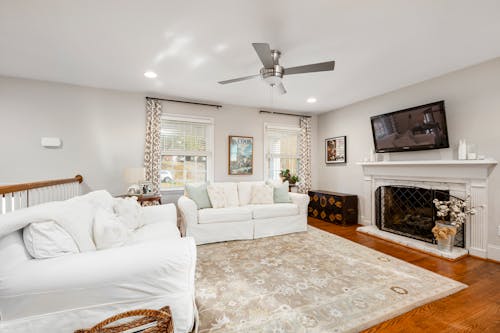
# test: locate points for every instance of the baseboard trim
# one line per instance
(364, 221)
(494, 252)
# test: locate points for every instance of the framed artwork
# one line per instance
(240, 155)
(335, 150)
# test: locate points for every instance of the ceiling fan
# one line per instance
(273, 72)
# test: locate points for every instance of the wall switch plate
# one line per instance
(498, 231)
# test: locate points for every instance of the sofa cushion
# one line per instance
(262, 194)
(161, 231)
(13, 250)
(199, 194)
(245, 192)
(217, 215)
(275, 210)
(48, 240)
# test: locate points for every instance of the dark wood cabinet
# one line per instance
(333, 207)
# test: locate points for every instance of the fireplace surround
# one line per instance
(456, 177)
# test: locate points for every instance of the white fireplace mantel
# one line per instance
(469, 169)
(469, 177)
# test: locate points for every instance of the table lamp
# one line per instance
(134, 177)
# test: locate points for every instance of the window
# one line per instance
(282, 150)
(186, 149)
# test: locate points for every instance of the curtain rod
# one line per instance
(186, 102)
(284, 114)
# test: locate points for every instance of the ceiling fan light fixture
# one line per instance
(311, 100)
(273, 80)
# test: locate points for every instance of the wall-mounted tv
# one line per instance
(418, 128)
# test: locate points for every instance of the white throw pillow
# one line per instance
(128, 211)
(230, 193)
(245, 192)
(109, 231)
(216, 195)
(262, 194)
(48, 240)
(77, 218)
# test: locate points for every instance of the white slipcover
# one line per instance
(223, 224)
(219, 215)
(78, 290)
(275, 210)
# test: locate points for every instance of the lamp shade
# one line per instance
(134, 175)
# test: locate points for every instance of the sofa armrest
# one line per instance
(159, 213)
(301, 200)
(189, 212)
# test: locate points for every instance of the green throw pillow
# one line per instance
(280, 192)
(198, 193)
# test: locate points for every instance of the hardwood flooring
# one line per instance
(474, 309)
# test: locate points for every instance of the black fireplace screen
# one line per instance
(410, 212)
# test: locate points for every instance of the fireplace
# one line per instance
(461, 178)
(409, 211)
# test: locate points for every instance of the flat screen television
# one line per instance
(418, 128)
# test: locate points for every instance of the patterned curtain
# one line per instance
(305, 155)
(152, 153)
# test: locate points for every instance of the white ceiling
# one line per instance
(378, 46)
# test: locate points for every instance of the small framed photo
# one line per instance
(240, 155)
(335, 150)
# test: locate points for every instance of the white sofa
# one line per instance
(61, 294)
(246, 221)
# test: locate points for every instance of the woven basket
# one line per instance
(162, 317)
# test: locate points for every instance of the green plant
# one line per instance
(293, 179)
(285, 174)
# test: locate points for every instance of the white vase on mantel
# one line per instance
(462, 150)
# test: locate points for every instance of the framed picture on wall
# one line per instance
(240, 155)
(335, 150)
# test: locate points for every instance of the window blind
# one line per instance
(184, 137)
(283, 142)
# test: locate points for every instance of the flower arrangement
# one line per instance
(458, 211)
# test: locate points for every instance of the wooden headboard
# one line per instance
(17, 196)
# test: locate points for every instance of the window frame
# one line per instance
(210, 144)
(267, 153)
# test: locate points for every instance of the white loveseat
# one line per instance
(244, 221)
(155, 268)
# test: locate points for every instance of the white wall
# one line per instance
(472, 100)
(102, 132)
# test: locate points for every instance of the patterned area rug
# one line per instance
(307, 282)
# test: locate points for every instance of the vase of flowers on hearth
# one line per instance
(444, 231)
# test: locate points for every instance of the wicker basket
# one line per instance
(162, 317)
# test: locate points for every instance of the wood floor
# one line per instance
(474, 309)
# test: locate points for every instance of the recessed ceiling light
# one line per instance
(311, 100)
(150, 75)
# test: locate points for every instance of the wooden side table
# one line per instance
(145, 199)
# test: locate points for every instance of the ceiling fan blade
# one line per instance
(264, 52)
(239, 79)
(281, 88)
(319, 67)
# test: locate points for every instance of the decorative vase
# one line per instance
(445, 236)
(462, 150)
